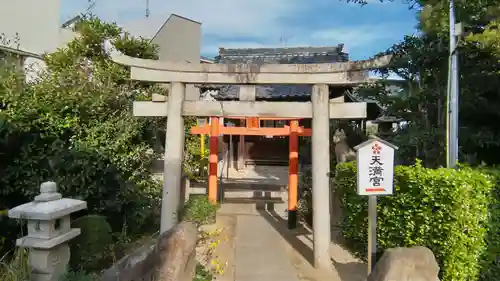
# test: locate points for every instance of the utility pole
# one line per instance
(284, 40)
(147, 8)
(90, 6)
(452, 93)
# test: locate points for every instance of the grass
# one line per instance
(202, 274)
(15, 267)
(79, 276)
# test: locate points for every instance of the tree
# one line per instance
(480, 18)
(74, 126)
(422, 61)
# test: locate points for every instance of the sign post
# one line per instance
(372, 232)
(375, 177)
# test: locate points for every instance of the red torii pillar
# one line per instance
(293, 178)
(213, 159)
(252, 128)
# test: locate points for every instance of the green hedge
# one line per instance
(446, 210)
(491, 257)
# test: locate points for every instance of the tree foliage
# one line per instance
(74, 126)
(480, 18)
(422, 62)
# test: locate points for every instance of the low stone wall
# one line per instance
(172, 257)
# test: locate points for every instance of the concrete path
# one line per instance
(259, 252)
(264, 249)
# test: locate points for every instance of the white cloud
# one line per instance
(356, 36)
(240, 23)
(255, 18)
(378, 1)
(374, 2)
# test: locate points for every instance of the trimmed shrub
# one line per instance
(490, 269)
(91, 250)
(445, 210)
(200, 210)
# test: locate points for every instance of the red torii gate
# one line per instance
(252, 128)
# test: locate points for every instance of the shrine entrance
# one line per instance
(252, 128)
(184, 100)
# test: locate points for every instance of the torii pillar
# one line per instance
(174, 155)
(321, 175)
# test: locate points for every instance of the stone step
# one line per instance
(229, 186)
(252, 200)
(273, 196)
(254, 194)
(246, 193)
(229, 208)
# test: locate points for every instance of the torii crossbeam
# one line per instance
(320, 109)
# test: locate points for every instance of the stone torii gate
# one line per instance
(320, 109)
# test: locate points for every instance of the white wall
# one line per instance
(37, 23)
(38, 28)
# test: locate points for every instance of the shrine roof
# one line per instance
(293, 55)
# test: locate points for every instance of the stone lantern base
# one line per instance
(49, 264)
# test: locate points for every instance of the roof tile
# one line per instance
(295, 55)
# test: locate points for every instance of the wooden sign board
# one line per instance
(253, 122)
(375, 166)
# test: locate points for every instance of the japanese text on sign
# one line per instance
(375, 160)
(376, 168)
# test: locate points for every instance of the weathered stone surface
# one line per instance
(171, 258)
(50, 263)
(48, 205)
(48, 192)
(406, 264)
(176, 252)
(208, 228)
(135, 266)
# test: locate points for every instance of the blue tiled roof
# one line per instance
(297, 55)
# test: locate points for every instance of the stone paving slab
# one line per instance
(260, 253)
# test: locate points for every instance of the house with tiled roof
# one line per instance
(296, 55)
(266, 150)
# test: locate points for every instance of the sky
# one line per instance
(364, 30)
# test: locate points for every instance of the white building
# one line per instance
(31, 28)
(34, 31)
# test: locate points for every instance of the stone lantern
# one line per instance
(49, 231)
